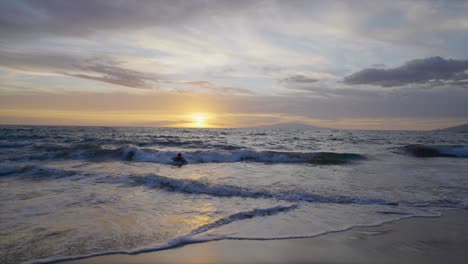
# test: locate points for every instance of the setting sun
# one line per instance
(199, 120)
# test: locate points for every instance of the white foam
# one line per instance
(137, 154)
(430, 214)
(458, 151)
(185, 239)
(198, 187)
(196, 235)
(10, 168)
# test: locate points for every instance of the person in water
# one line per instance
(179, 158)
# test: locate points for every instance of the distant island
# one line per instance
(460, 128)
(298, 125)
(291, 125)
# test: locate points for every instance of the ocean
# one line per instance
(72, 192)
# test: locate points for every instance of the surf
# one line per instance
(137, 154)
(431, 151)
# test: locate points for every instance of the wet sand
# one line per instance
(413, 240)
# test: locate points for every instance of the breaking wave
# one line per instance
(198, 187)
(34, 170)
(244, 215)
(188, 238)
(194, 237)
(424, 151)
(243, 155)
(188, 186)
(132, 153)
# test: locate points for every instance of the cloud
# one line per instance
(102, 69)
(429, 70)
(205, 86)
(299, 78)
(308, 84)
(44, 18)
(37, 63)
(116, 75)
(105, 69)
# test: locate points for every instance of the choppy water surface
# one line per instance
(78, 191)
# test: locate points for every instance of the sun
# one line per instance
(199, 120)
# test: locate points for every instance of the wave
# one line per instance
(325, 158)
(7, 169)
(132, 153)
(430, 214)
(7, 144)
(71, 151)
(425, 151)
(71, 147)
(198, 187)
(184, 239)
(244, 215)
(194, 237)
(188, 186)
(161, 141)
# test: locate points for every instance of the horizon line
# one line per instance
(168, 127)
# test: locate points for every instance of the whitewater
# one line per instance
(76, 192)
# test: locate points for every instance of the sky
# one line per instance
(206, 63)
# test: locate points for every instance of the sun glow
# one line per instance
(199, 120)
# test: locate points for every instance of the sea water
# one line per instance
(71, 192)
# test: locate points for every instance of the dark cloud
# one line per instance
(102, 69)
(314, 84)
(119, 77)
(329, 93)
(44, 18)
(299, 78)
(116, 75)
(37, 62)
(433, 70)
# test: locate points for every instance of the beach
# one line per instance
(415, 240)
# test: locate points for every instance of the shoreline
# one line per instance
(410, 240)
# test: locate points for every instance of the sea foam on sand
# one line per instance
(414, 240)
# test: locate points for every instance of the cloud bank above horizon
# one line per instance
(346, 64)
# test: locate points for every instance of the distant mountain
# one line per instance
(460, 128)
(292, 125)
